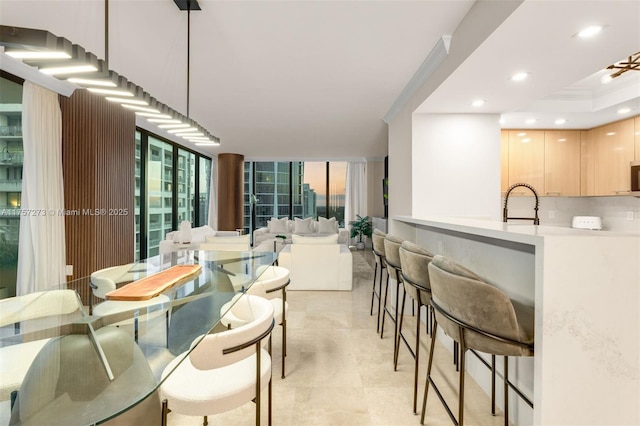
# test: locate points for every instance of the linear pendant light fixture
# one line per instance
(190, 5)
(64, 60)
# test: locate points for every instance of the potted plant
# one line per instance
(359, 228)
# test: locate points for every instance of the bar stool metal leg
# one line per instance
(373, 289)
(396, 350)
(417, 358)
(384, 305)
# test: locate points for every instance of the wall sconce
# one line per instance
(64, 60)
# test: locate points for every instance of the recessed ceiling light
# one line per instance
(562, 140)
(560, 121)
(624, 110)
(522, 134)
(611, 133)
(502, 121)
(478, 103)
(207, 143)
(531, 121)
(590, 31)
(526, 140)
(521, 76)
(189, 135)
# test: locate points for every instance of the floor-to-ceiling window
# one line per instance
(11, 158)
(168, 177)
(293, 189)
(159, 200)
(186, 186)
(337, 176)
(204, 190)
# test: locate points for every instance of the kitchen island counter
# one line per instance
(585, 287)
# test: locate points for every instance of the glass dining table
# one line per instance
(61, 365)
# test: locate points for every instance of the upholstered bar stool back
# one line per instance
(377, 239)
(478, 316)
(392, 259)
(415, 277)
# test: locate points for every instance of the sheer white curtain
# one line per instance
(41, 252)
(213, 194)
(356, 192)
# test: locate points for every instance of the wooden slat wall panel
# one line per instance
(98, 143)
(230, 192)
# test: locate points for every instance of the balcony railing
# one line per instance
(12, 158)
(10, 131)
(13, 185)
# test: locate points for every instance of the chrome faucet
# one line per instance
(505, 217)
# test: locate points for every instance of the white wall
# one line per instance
(456, 165)
(480, 22)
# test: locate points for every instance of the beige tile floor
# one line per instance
(340, 372)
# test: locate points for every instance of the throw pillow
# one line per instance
(302, 226)
(278, 226)
(327, 226)
(329, 239)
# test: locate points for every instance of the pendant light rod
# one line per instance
(188, 54)
(106, 32)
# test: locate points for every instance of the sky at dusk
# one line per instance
(315, 176)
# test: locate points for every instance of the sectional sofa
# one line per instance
(304, 227)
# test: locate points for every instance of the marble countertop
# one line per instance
(516, 232)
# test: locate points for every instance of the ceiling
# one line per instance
(314, 79)
(539, 38)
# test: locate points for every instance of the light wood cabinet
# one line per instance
(637, 137)
(504, 161)
(561, 163)
(587, 164)
(526, 160)
(571, 162)
(613, 150)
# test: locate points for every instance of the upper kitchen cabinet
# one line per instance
(504, 162)
(562, 163)
(637, 137)
(613, 148)
(526, 160)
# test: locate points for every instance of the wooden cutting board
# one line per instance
(153, 285)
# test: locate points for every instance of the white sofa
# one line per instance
(308, 226)
(198, 236)
(317, 263)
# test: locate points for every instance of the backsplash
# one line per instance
(559, 211)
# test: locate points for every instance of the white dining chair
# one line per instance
(224, 370)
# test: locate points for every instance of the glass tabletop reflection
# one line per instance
(70, 366)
